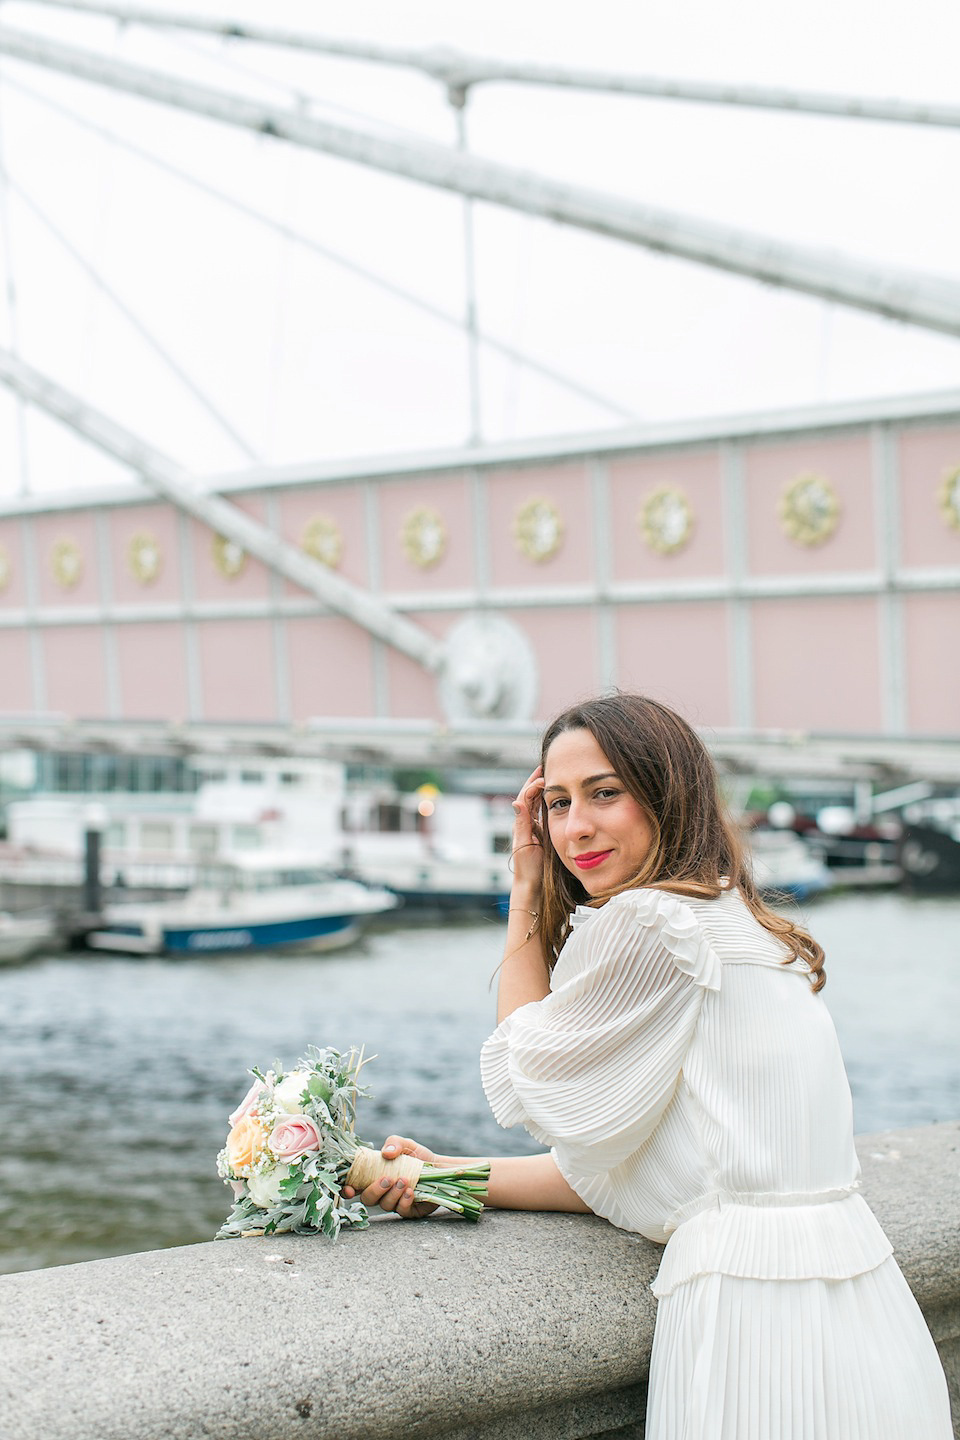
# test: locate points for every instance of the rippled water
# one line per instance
(118, 1074)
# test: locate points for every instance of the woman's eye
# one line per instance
(556, 804)
(606, 794)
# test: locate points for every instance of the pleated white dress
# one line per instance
(691, 1088)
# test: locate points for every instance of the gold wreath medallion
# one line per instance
(144, 557)
(809, 510)
(538, 530)
(323, 539)
(229, 557)
(948, 496)
(67, 563)
(424, 537)
(666, 521)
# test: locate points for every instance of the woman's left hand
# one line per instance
(396, 1196)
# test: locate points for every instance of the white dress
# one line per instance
(691, 1088)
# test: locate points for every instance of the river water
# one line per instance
(118, 1074)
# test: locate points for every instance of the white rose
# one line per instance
(288, 1095)
(264, 1190)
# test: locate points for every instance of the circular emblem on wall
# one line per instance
(809, 510)
(538, 529)
(323, 539)
(67, 563)
(949, 497)
(424, 537)
(666, 521)
(5, 569)
(144, 557)
(229, 557)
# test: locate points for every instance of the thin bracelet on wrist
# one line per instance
(522, 910)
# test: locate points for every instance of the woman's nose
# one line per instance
(579, 823)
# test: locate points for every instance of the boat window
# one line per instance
(245, 837)
(156, 835)
(251, 777)
(203, 839)
(116, 836)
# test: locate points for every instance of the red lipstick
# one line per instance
(592, 858)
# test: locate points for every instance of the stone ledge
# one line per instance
(527, 1325)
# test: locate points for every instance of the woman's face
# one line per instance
(601, 834)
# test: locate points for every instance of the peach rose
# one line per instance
(245, 1142)
(293, 1136)
(248, 1103)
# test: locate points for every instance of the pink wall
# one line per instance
(16, 683)
(75, 668)
(697, 476)
(925, 536)
(253, 582)
(152, 666)
(932, 624)
(160, 522)
(342, 504)
(816, 664)
(331, 668)
(236, 670)
(679, 654)
(565, 643)
(79, 527)
(412, 693)
(450, 496)
(14, 594)
(769, 468)
(567, 489)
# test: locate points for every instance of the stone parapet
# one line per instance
(525, 1326)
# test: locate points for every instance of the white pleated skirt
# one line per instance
(737, 1359)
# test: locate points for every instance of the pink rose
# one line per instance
(248, 1102)
(293, 1136)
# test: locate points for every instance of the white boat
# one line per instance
(784, 864)
(257, 901)
(23, 936)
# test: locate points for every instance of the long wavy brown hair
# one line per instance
(696, 849)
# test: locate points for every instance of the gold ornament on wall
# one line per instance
(229, 557)
(538, 530)
(67, 563)
(6, 569)
(948, 497)
(809, 510)
(323, 539)
(666, 521)
(144, 557)
(424, 537)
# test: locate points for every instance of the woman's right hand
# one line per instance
(527, 851)
(397, 1195)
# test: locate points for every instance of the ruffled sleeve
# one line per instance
(590, 1069)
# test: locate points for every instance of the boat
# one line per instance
(247, 902)
(785, 865)
(23, 936)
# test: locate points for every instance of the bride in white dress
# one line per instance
(663, 1032)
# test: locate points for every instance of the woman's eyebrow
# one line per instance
(590, 780)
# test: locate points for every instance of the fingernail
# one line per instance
(409, 1195)
(385, 1183)
(400, 1184)
(388, 1148)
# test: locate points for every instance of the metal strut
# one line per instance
(174, 483)
(933, 304)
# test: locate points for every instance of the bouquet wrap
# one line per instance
(292, 1150)
(370, 1165)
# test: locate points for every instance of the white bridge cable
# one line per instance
(458, 71)
(13, 312)
(146, 335)
(335, 257)
(932, 303)
(176, 484)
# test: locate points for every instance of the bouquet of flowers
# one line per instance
(292, 1148)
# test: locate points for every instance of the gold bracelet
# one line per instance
(522, 910)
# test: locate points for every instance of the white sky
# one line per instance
(309, 362)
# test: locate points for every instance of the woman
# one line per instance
(662, 1030)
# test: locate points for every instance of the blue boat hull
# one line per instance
(309, 932)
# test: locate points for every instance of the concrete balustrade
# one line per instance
(525, 1326)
